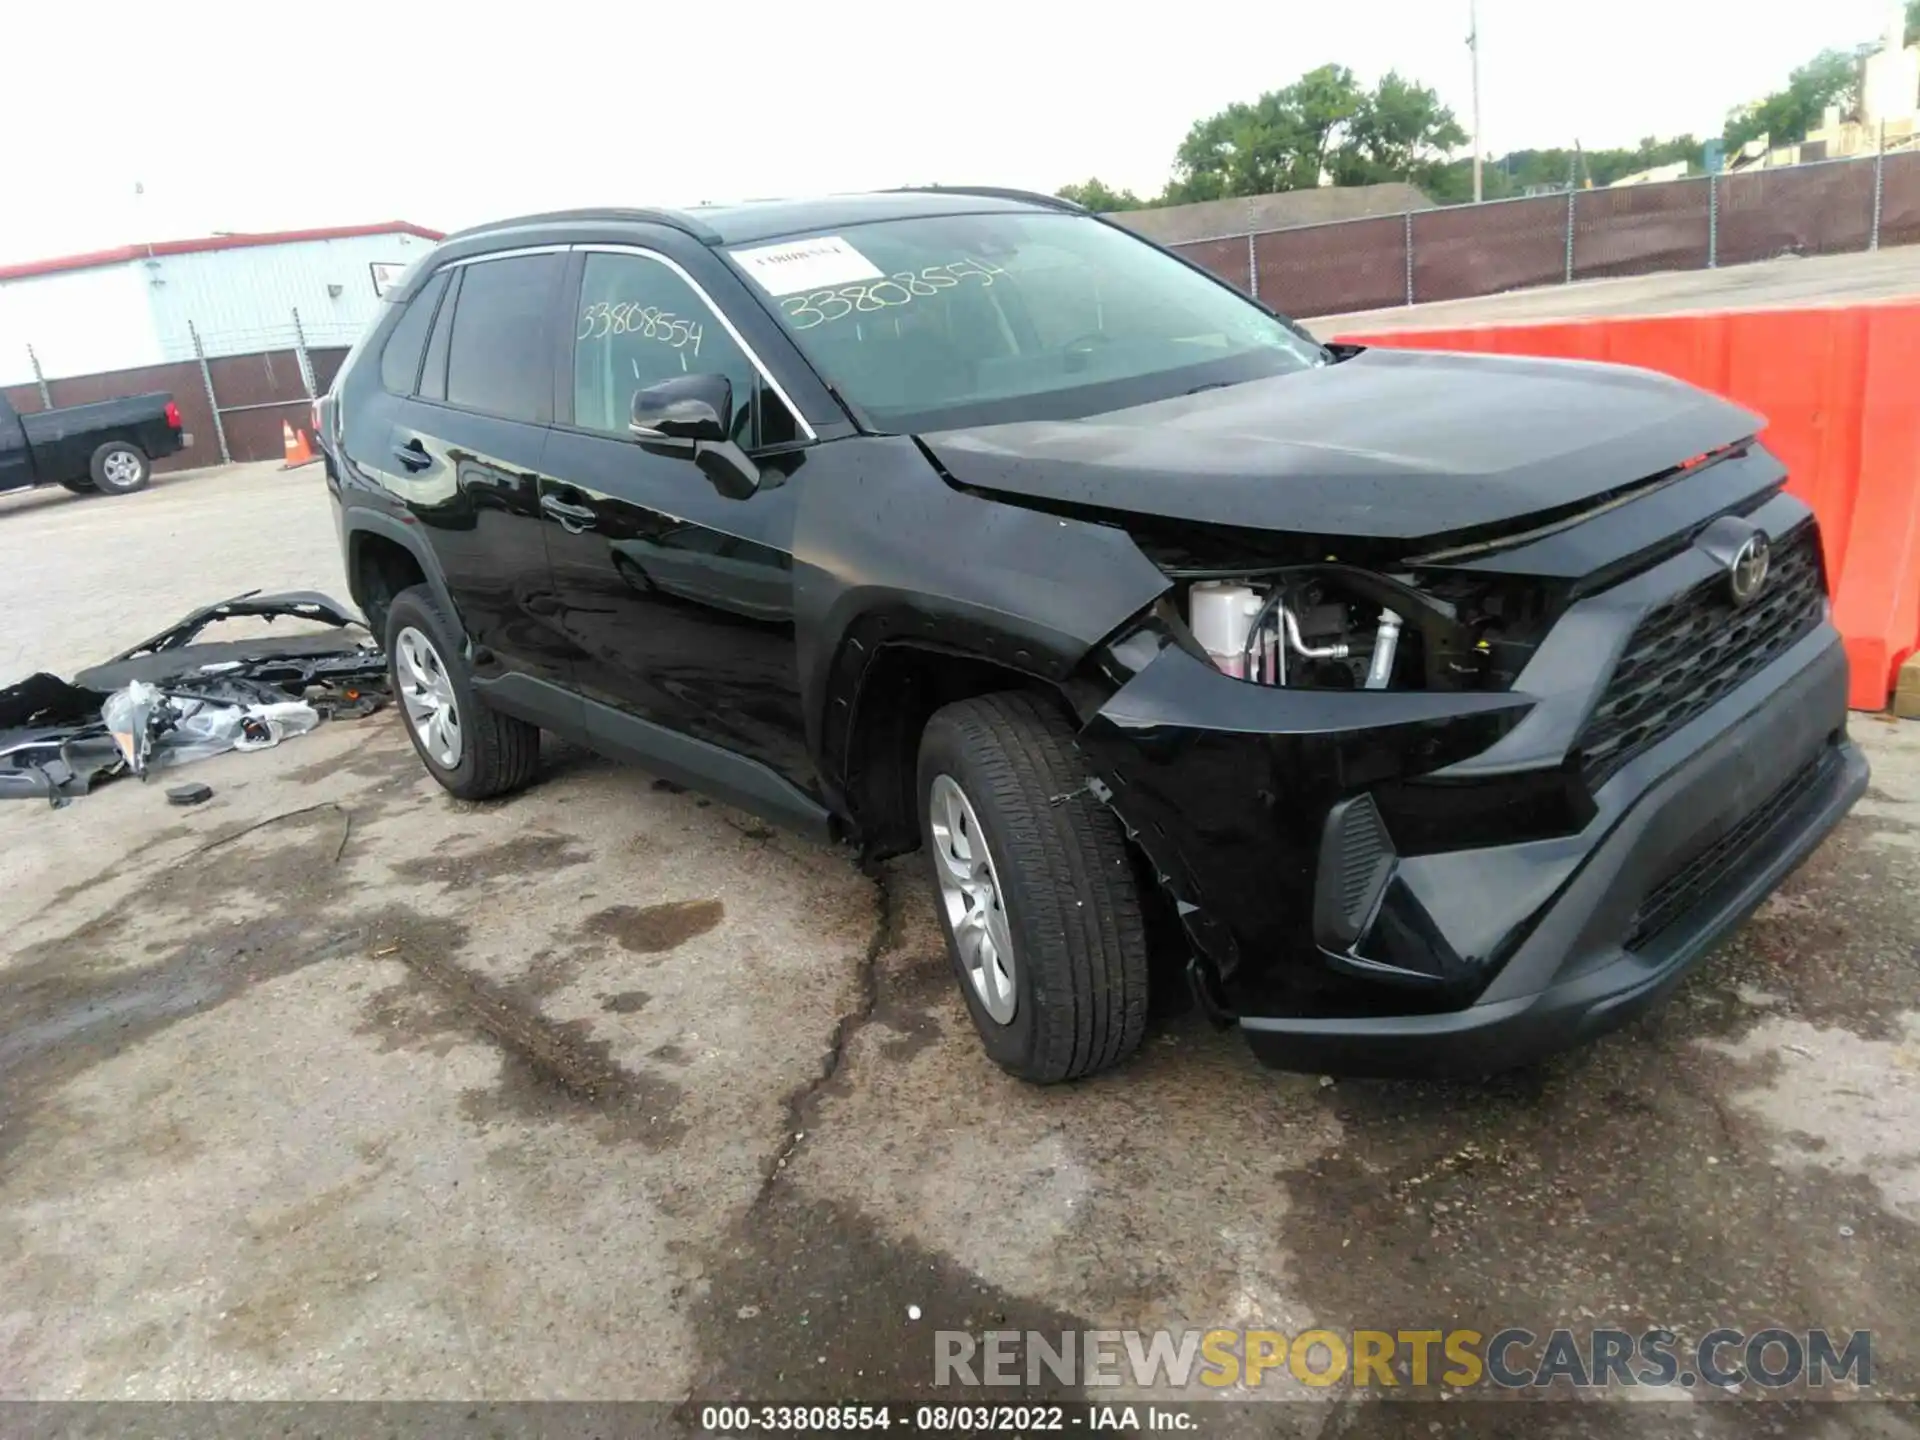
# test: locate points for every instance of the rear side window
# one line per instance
(400, 361)
(499, 361)
(433, 374)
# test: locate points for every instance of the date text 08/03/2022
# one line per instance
(945, 1419)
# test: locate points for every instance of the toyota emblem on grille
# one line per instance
(1748, 572)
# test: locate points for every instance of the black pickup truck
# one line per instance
(110, 445)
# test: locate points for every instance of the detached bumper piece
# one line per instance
(56, 742)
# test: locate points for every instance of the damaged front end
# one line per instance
(1259, 804)
(1446, 806)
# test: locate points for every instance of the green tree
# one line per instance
(1520, 171)
(1323, 126)
(1279, 142)
(1401, 132)
(1096, 195)
(1604, 167)
(1784, 117)
(1913, 22)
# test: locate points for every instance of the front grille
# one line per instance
(1682, 890)
(1693, 649)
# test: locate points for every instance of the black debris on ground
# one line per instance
(182, 698)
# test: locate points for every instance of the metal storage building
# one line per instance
(269, 315)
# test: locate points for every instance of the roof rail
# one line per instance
(994, 192)
(673, 218)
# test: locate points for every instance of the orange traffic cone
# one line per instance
(298, 451)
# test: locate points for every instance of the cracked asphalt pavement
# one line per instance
(337, 1087)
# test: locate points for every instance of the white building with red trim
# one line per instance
(142, 305)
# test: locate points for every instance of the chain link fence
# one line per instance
(236, 388)
(1457, 252)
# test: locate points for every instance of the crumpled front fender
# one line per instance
(1226, 785)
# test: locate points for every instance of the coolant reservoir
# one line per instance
(1220, 614)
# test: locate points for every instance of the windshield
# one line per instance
(950, 320)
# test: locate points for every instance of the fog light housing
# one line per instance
(1356, 861)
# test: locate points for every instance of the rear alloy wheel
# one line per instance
(475, 753)
(119, 468)
(427, 694)
(1035, 887)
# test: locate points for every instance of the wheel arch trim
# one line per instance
(358, 522)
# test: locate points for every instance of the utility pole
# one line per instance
(1473, 45)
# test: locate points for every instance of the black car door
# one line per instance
(466, 450)
(678, 599)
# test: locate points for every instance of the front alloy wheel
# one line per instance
(970, 894)
(1034, 888)
(427, 693)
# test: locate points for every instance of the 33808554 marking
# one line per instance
(750, 1419)
(927, 1419)
(793, 1419)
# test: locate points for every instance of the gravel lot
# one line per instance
(338, 1087)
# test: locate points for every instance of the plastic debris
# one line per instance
(153, 727)
(175, 698)
(193, 793)
(267, 725)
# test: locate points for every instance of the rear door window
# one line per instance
(400, 361)
(499, 360)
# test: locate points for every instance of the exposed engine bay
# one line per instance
(1262, 636)
(1337, 627)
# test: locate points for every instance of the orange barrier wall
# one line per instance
(1840, 389)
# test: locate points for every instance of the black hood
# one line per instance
(1389, 444)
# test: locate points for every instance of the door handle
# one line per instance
(573, 518)
(413, 455)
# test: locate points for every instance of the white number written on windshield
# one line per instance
(822, 307)
(629, 317)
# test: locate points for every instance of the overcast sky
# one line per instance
(263, 115)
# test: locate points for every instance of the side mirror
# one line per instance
(687, 407)
(696, 412)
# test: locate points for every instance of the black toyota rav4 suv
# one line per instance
(1447, 707)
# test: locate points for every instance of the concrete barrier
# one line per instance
(1840, 388)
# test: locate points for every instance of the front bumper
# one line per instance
(1574, 977)
(1544, 941)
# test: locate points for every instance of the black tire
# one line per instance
(1066, 882)
(81, 485)
(119, 468)
(498, 753)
